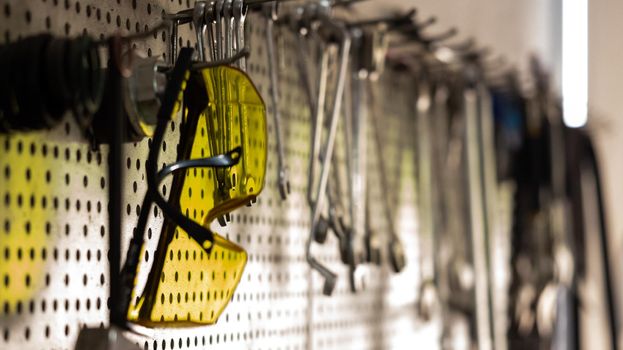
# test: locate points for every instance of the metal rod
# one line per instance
(477, 225)
(115, 178)
(390, 20)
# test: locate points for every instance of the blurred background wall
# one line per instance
(605, 104)
(518, 29)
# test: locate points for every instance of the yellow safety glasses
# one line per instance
(191, 282)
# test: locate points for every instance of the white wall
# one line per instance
(515, 29)
(605, 104)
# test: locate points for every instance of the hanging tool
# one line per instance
(282, 169)
(240, 15)
(477, 208)
(395, 248)
(428, 105)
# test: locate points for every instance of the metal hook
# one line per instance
(426, 23)
(435, 39)
(392, 21)
(463, 46)
(224, 62)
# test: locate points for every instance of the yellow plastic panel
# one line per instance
(29, 189)
(192, 286)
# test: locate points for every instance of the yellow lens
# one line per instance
(187, 285)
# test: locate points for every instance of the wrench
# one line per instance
(317, 124)
(425, 106)
(219, 28)
(357, 141)
(343, 233)
(228, 20)
(282, 175)
(240, 15)
(199, 12)
(372, 239)
(396, 252)
(477, 216)
(209, 19)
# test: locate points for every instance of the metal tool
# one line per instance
(335, 220)
(372, 238)
(477, 216)
(218, 21)
(490, 196)
(339, 30)
(369, 49)
(395, 248)
(199, 12)
(282, 169)
(240, 15)
(228, 26)
(427, 297)
(356, 150)
(209, 21)
(317, 109)
(219, 32)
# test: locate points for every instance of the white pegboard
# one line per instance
(53, 226)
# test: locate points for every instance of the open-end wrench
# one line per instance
(199, 24)
(240, 15)
(301, 24)
(369, 61)
(343, 233)
(395, 247)
(228, 21)
(318, 110)
(282, 175)
(366, 51)
(209, 18)
(218, 11)
(426, 107)
(477, 217)
(335, 220)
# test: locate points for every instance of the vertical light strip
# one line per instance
(575, 62)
